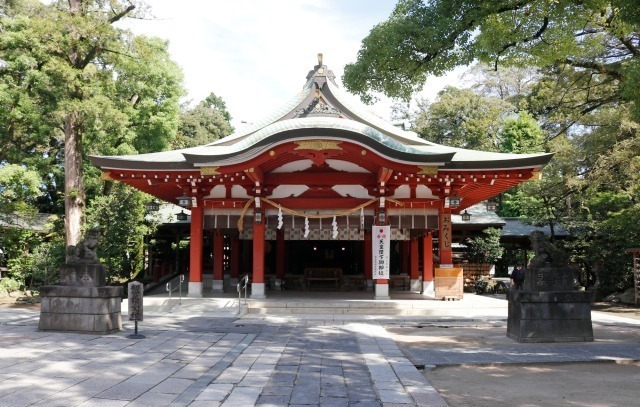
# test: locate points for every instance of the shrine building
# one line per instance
(295, 200)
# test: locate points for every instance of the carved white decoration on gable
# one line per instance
(354, 191)
(347, 166)
(403, 191)
(423, 192)
(299, 165)
(219, 191)
(285, 191)
(239, 192)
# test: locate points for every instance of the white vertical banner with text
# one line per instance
(381, 241)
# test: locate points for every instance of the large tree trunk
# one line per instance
(73, 183)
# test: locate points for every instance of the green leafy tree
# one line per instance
(19, 191)
(599, 39)
(208, 121)
(486, 248)
(31, 262)
(76, 84)
(121, 218)
(462, 118)
(521, 134)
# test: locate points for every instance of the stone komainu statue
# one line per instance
(85, 250)
(546, 254)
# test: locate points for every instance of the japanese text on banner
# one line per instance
(381, 242)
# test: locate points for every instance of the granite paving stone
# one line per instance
(212, 361)
(215, 392)
(172, 385)
(273, 400)
(242, 396)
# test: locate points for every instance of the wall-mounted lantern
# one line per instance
(257, 217)
(184, 201)
(454, 201)
(382, 217)
(152, 206)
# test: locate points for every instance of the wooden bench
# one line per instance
(400, 281)
(322, 274)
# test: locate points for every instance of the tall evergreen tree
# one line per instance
(77, 84)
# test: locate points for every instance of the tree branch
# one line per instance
(595, 67)
(535, 36)
(630, 46)
(121, 14)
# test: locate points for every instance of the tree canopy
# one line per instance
(597, 40)
(204, 123)
(75, 84)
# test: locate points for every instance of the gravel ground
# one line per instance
(585, 384)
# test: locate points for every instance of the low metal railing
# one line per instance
(170, 290)
(242, 285)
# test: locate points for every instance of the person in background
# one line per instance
(517, 277)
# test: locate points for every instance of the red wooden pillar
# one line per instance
(258, 286)
(444, 237)
(195, 250)
(218, 262)
(427, 257)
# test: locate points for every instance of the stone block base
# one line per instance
(258, 290)
(81, 309)
(382, 292)
(548, 316)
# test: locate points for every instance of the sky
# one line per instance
(255, 54)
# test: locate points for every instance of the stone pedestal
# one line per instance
(548, 309)
(381, 292)
(81, 303)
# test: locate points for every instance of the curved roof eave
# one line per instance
(474, 159)
(276, 115)
(318, 127)
(166, 160)
(374, 121)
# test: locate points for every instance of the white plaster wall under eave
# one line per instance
(354, 191)
(287, 191)
(239, 192)
(294, 166)
(424, 192)
(345, 166)
(404, 191)
(220, 191)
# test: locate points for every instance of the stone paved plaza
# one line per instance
(201, 361)
(191, 359)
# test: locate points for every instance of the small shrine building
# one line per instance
(305, 188)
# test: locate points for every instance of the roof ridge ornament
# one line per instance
(320, 74)
(318, 107)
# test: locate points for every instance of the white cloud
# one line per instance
(255, 54)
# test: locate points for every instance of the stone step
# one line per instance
(375, 308)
